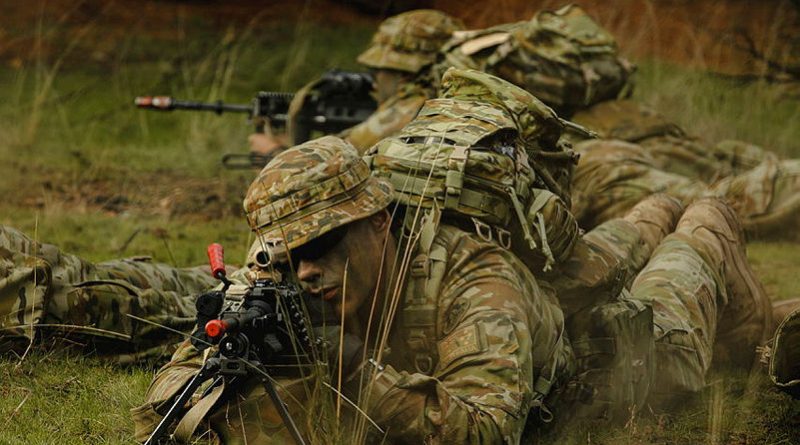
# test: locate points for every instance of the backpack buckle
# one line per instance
(420, 266)
(483, 230)
(503, 238)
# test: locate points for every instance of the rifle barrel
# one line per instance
(167, 103)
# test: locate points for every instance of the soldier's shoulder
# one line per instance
(472, 257)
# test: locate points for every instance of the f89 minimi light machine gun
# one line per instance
(250, 332)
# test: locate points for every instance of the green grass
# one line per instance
(718, 108)
(777, 265)
(60, 398)
(86, 171)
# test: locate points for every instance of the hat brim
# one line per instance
(384, 57)
(374, 196)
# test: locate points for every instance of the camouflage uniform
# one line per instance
(670, 147)
(408, 43)
(613, 175)
(497, 331)
(493, 322)
(45, 293)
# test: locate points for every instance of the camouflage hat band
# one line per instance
(257, 223)
(367, 199)
(341, 186)
(410, 43)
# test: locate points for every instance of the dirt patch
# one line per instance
(163, 193)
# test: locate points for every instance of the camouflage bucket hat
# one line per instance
(311, 189)
(784, 365)
(409, 41)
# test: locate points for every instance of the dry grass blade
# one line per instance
(33, 305)
(18, 408)
(341, 343)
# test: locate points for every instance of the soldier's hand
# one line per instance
(335, 345)
(266, 145)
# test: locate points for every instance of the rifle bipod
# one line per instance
(224, 371)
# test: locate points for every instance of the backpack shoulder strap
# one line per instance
(421, 298)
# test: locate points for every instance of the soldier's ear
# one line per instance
(381, 220)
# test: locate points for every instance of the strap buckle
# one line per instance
(483, 230)
(503, 238)
(423, 363)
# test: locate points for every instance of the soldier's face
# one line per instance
(344, 269)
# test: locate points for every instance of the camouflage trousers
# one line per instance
(48, 294)
(613, 176)
(708, 306)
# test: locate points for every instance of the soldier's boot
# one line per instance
(782, 309)
(655, 217)
(744, 313)
(783, 356)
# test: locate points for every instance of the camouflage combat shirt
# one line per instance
(497, 333)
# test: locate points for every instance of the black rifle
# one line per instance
(251, 335)
(338, 100)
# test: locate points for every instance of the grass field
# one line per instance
(86, 171)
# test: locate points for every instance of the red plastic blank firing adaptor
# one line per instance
(216, 257)
(216, 328)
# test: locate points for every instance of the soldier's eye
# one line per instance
(319, 246)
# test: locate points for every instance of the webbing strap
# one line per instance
(454, 179)
(526, 231)
(422, 295)
(473, 199)
(191, 420)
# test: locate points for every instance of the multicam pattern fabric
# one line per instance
(614, 175)
(469, 151)
(563, 57)
(391, 116)
(310, 189)
(707, 303)
(442, 139)
(502, 333)
(535, 121)
(670, 147)
(498, 331)
(409, 41)
(48, 294)
(538, 126)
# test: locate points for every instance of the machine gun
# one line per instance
(250, 333)
(338, 100)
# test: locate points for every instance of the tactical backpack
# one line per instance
(468, 159)
(562, 57)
